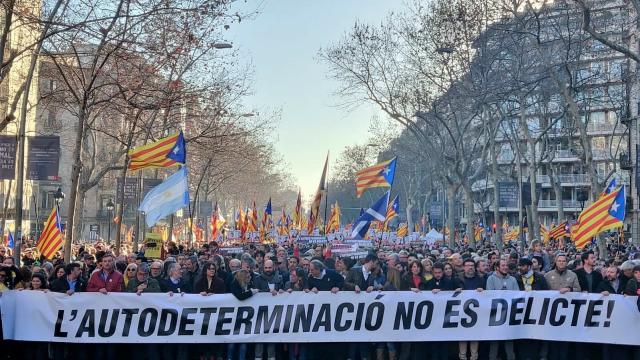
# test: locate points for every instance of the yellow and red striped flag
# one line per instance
(392, 211)
(217, 221)
(165, 152)
(616, 212)
(558, 231)
(334, 219)
(51, 238)
(544, 233)
(592, 219)
(379, 175)
(403, 230)
(317, 199)
(297, 212)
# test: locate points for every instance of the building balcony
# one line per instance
(553, 204)
(604, 128)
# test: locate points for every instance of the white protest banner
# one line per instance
(323, 317)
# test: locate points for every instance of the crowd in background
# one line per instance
(208, 270)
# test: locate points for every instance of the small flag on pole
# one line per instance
(51, 238)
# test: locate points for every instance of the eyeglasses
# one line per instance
(131, 269)
(155, 268)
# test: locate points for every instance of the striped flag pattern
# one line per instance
(314, 211)
(297, 212)
(154, 155)
(616, 213)
(544, 233)
(392, 211)
(402, 230)
(379, 175)
(591, 219)
(51, 238)
(558, 231)
(334, 220)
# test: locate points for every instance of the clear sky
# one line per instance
(282, 44)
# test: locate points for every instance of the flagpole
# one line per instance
(326, 198)
(139, 196)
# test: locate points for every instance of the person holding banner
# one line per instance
(501, 280)
(297, 282)
(209, 283)
(470, 281)
(142, 282)
(107, 279)
(562, 280)
(414, 280)
(241, 289)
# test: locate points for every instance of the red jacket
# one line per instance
(113, 283)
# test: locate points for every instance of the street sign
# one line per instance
(7, 157)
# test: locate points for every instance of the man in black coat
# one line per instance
(323, 279)
(529, 280)
(610, 285)
(359, 278)
(72, 282)
(588, 278)
(439, 282)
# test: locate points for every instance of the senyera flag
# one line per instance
(379, 175)
(51, 238)
(165, 152)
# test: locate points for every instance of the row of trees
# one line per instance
(124, 73)
(473, 81)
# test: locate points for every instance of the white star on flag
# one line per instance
(176, 150)
(386, 170)
(615, 206)
(612, 187)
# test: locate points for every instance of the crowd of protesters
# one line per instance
(274, 269)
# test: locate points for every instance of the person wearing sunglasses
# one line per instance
(130, 273)
(142, 282)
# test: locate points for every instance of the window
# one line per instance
(50, 120)
(597, 117)
(598, 143)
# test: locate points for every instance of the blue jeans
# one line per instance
(231, 351)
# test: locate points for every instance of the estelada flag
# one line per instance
(379, 175)
(165, 152)
(592, 219)
(51, 238)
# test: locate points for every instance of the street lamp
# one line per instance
(110, 208)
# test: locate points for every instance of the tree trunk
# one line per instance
(534, 222)
(79, 213)
(120, 207)
(468, 203)
(451, 211)
(75, 181)
(409, 207)
(557, 189)
(496, 198)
